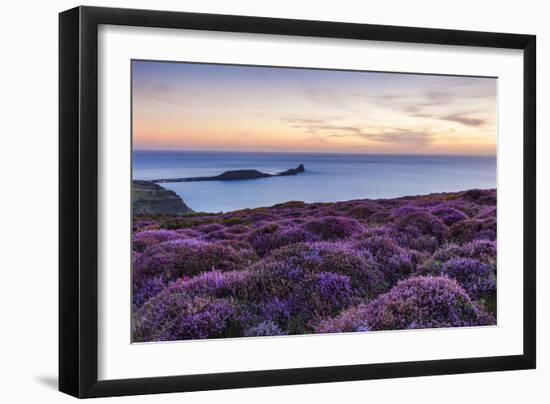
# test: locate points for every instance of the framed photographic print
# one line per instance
(250, 201)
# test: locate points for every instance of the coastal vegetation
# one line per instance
(150, 198)
(414, 262)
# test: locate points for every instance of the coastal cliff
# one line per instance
(150, 198)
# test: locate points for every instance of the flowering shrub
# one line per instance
(342, 258)
(473, 229)
(350, 320)
(449, 215)
(274, 235)
(421, 224)
(294, 297)
(265, 328)
(481, 196)
(418, 302)
(295, 268)
(379, 218)
(146, 289)
(476, 277)
(188, 233)
(481, 250)
(394, 261)
(212, 283)
(146, 238)
(364, 210)
(488, 212)
(171, 316)
(333, 227)
(406, 210)
(187, 257)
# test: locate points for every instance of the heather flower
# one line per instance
(479, 196)
(449, 215)
(260, 216)
(428, 204)
(210, 228)
(432, 266)
(380, 218)
(488, 230)
(172, 316)
(341, 258)
(364, 210)
(394, 261)
(221, 235)
(477, 278)
(407, 210)
(450, 251)
(328, 285)
(211, 283)
(225, 235)
(473, 229)
(293, 297)
(489, 212)
(424, 243)
(269, 308)
(468, 208)
(325, 267)
(237, 229)
(176, 258)
(146, 289)
(374, 231)
(350, 320)
(188, 233)
(333, 227)
(275, 235)
(265, 328)
(418, 302)
(147, 238)
(421, 224)
(483, 250)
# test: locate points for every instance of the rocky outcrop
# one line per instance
(235, 175)
(293, 171)
(150, 198)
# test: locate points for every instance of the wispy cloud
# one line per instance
(430, 104)
(323, 129)
(463, 119)
(406, 137)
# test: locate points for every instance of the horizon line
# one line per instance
(312, 152)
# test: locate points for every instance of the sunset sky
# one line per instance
(185, 106)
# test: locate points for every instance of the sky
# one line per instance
(195, 106)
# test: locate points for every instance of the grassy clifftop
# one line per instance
(149, 198)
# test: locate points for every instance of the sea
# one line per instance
(327, 177)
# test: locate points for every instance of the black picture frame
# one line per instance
(78, 201)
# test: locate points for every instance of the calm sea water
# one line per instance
(328, 177)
